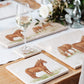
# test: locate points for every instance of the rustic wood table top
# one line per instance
(8, 78)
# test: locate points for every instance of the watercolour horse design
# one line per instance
(32, 3)
(38, 29)
(39, 66)
(17, 33)
(64, 49)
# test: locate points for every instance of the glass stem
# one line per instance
(25, 41)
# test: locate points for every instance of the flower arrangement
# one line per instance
(46, 10)
(54, 11)
(58, 13)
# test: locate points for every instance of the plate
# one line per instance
(51, 46)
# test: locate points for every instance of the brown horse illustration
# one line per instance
(38, 29)
(32, 3)
(46, 25)
(80, 45)
(39, 66)
(17, 33)
(64, 49)
(41, 28)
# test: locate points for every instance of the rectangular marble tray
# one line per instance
(30, 34)
(23, 68)
(51, 46)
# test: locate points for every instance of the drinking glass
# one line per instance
(24, 19)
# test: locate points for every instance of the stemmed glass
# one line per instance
(45, 2)
(23, 19)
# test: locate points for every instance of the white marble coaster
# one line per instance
(44, 67)
(30, 51)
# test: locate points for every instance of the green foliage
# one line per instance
(58, 12)
(37, 21)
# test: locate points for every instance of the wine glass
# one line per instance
(45, 2)
(24, 19)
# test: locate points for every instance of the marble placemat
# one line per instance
(37, 70)
(51, 46)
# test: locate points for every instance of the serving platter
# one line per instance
(74, 37)
(40, 64)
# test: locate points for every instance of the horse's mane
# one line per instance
(38, 62)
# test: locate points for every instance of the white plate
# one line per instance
(51, 46)
(18, 69)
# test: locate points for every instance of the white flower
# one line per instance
(45, 10)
